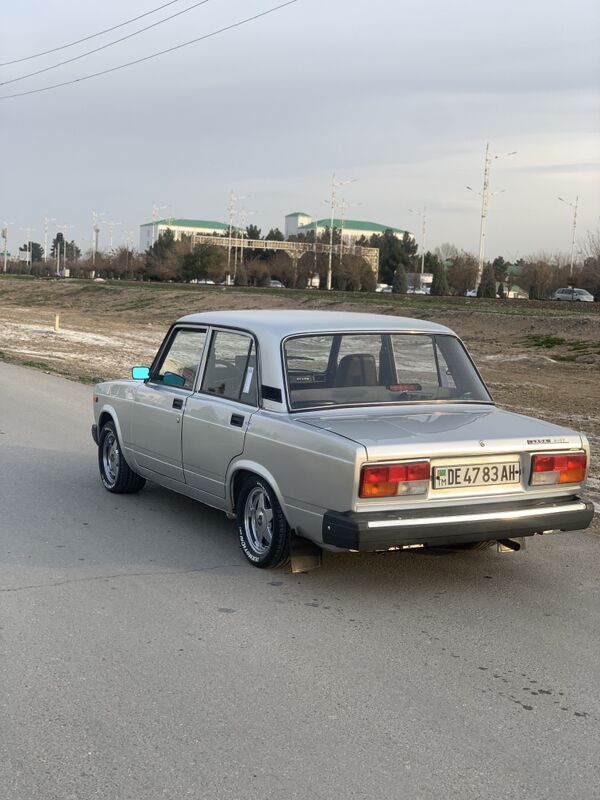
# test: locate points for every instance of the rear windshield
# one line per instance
(373, 368)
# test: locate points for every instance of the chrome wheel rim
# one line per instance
(258, 520)
(110, 458)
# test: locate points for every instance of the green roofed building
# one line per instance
(299, 223)
(150, 231)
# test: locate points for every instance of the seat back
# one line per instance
(358, 369)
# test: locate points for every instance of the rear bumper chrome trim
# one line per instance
(457, 518)
(382, 530)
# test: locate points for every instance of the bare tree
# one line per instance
(462, 273)
(447, 251)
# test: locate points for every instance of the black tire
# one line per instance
(115, 473)
(263, 530)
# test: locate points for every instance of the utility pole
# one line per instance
(423, 215)
(574, 207)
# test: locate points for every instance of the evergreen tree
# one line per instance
(439, 283)
(487, 287)
(399, 282)
(206, 261)
(253, 232)
(275, 235)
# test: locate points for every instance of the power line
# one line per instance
(87, 38)
(104, 46)
(153, 55)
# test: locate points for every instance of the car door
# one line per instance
(217, 415)
(159, 403)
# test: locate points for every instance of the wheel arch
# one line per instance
(240, 471)
(108, 414)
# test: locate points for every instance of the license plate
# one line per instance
(466, 475)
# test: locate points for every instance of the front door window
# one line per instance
(180, 361)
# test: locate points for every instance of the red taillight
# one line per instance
(551, 468)
(409, 478)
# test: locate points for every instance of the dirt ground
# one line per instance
(540, 359)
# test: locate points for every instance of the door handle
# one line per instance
(237, 420)
(178, 402)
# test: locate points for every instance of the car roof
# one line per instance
(286, 322)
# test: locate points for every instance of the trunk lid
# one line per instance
(434, 432)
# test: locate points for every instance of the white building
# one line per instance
(298, 223)
(150, 231)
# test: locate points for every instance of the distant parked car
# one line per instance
(206, 281)
(355, 431)
(570, 293)
(383, 287)
(275, 284)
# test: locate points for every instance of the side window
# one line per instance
(231, 367)
(180, 362)
(415, 360)
(446, 378)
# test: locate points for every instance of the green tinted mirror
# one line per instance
(172, 379)
(140, 373)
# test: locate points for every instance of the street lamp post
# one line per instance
(485, 195)
(155, 209)
(574, 207)
(344, 206)
(244, 233)
(335, 184)
(233, 199)
(423, 215)
(95, 232)
(29, 231)
(64, 229)
(5, 237)
(47, 220)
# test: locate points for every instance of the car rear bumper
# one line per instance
(381, 530)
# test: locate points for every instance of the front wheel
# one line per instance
(115, 473)
(262, 528)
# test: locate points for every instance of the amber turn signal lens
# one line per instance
(385, 481)
(552, 468)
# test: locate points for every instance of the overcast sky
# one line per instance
(400, 96)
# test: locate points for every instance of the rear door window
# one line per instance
(231, 370)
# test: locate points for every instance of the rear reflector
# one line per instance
(552, 468)
(411, 477)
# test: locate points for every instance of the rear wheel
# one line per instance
(115, 473)
(262, 528)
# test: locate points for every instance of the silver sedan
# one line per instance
(346, 431)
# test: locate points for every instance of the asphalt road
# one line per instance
(142, 658)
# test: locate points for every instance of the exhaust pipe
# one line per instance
(510, 545)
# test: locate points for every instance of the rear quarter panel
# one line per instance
(310, 470)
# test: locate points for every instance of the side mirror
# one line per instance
(140, 373)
